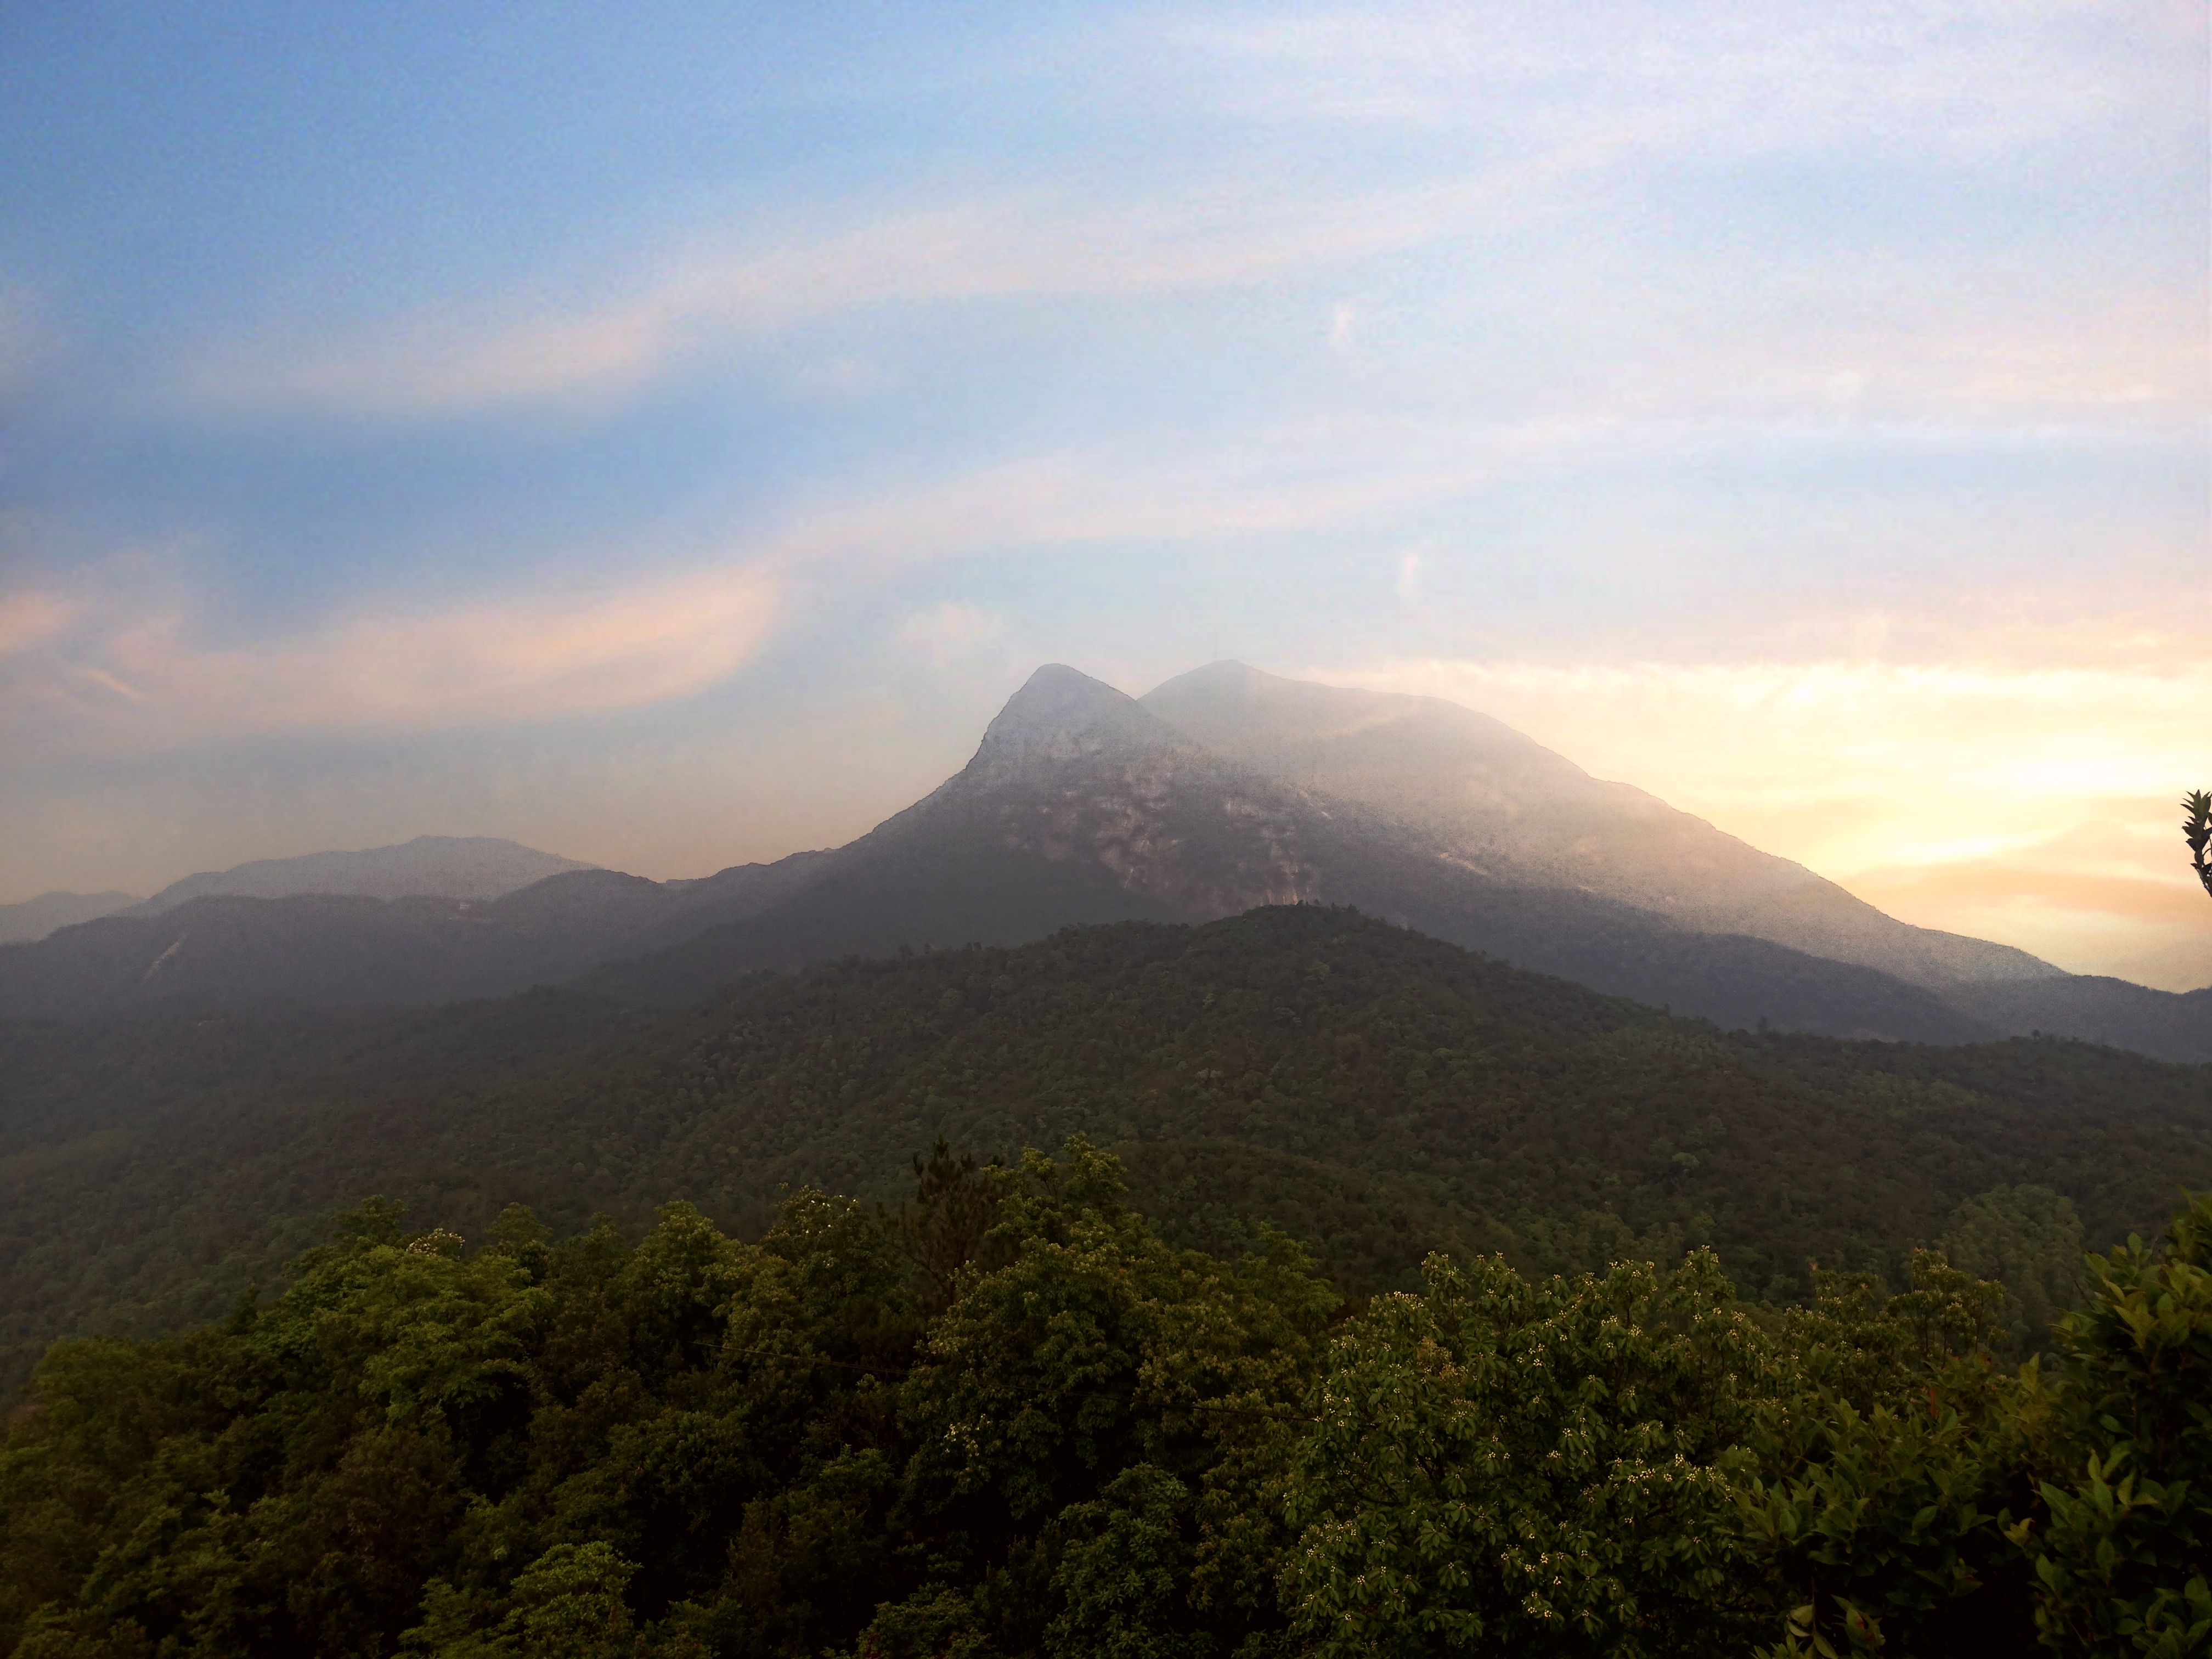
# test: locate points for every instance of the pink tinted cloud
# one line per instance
(106, 674)
(151, 683)
(30, 619)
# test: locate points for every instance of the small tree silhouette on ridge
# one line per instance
(2197, 830)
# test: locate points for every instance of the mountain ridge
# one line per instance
(34, 918)
(1082, 805)
(428, 867)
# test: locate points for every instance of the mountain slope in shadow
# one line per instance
(34, 918)
(227, 950)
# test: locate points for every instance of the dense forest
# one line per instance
(1009, 1419)
(1385, 1299)
(1357, 1086)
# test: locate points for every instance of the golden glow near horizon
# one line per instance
(2034, 806)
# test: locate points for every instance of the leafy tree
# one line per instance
(2121, 1561)
(567, 1604)
(2196, 830)
(1546, 1468)
(1892, 1454)
(685, 1445)
(2029, 1239)
(956, 1203)
(1125, 1558)
(1104, 1394)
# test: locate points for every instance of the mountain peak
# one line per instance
(1227, 676)
(1062, 714)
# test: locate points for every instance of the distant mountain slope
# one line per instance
(1060, 818)
(433, 867)
(1516, 810)
(225, 951)
(34, 918)
(1079, 805)
(2095, 1009)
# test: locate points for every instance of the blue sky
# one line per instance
(665, 436)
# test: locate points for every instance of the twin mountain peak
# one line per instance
(1223, 788)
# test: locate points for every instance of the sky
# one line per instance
(664, 434)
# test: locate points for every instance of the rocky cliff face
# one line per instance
(1075, 772)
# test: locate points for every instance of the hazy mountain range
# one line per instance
(1223, 789)
(442, 866)
(34, 918)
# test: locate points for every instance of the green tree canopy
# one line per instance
(1081, 1438)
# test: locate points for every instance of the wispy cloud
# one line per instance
(1564, 103)
(2140, 927)
(1016, 246)
(1343, 330)
(29, 618)
(101, 669)
(1412, 564)
(2009, 800)
(97, 665)
(127, 682)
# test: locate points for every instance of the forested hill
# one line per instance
(1375, 1091)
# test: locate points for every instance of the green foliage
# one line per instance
(2122, 1560)
(567, 1604)
(956, 1204)
(1134, 1391)
(1899, 1451)
(1099, 1403)
(1125, 1558)
(2029, 1240)
(685, 1445)
(1100, 1443)
(2196, 830)
(1526, 1467)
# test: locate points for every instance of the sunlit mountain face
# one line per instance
(1511, 807)
(2028, 797)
